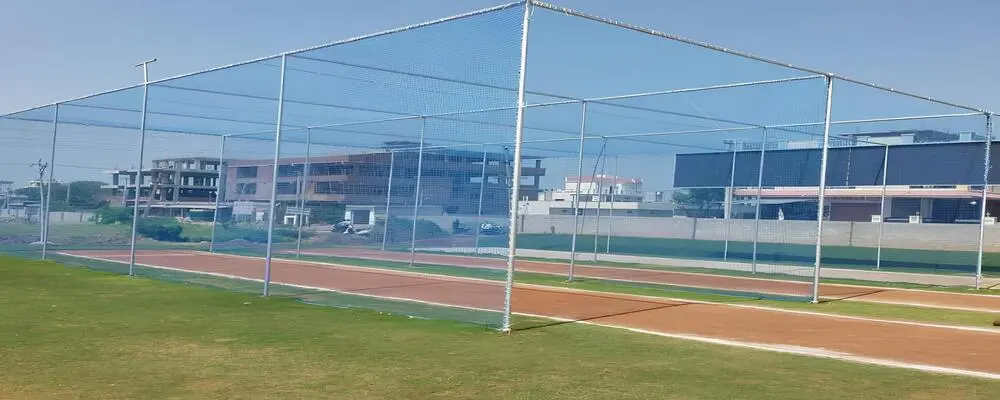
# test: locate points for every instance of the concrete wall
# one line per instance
(835, 233)
(55, 217)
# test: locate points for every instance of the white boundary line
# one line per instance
(384, 271)
(860, 299)
(796, 350)
(653, 268)
(623, 296)
(316, 288)
(619, 296)
(369, 258)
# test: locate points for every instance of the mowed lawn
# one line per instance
(75, 333)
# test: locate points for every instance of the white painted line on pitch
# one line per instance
(316, 288)
(681, 261)
(355, 268)
(618, 296)
(763, 308)
(657, 299)
(924, 305)
(797, 350)
(863, 298)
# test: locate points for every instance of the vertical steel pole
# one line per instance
(729, 201)
(756, 213)
(138, 174)
(982, 211)
(576, 198)
(611, 212)
(417, 193)
(388, 199)
(274, 179)
(822, 188)
(881, 210)
(302, 194)
(218, 193)
(47, 205)
(600, 197)
(482, 187)
(516, 182)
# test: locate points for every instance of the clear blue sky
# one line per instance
(59, 49)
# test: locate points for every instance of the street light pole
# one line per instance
(138, 174)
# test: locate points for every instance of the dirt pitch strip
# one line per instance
(870, 294)
(954, 350)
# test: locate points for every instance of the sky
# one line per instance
(61, 49)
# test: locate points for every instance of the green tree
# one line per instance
(700, 199)
(80, 195)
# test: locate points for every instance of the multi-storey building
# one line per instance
(171, 187)
(932, 176)
(604, 194)
(450, 180)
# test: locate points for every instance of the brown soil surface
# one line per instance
(945, 347)
(985, 303)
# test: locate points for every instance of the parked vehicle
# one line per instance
(491, 229)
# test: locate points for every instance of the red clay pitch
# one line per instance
(924, 345)
(984, 303)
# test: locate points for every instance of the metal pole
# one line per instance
(729, 202)
(138, 174)
(982, 211)
(388, 199)
(756, 214)
(274, 179)
(576, 199)
(611, 212)
(302, 194)
(417, 194)
(516, 182)
(881, 210)
(600, 196)
(218, 193)
(482, 188)
(47, 204)
(822, 188)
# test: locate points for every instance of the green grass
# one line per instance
(936, 261)
(75, 333)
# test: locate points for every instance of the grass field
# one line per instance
(935, 261)
(77, 333)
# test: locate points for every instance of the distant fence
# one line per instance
(55, 217)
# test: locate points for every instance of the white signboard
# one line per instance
(243, 207)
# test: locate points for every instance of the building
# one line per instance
(35, 184)
(170, 187)
(609, 195)
(932, 177)
(451, 181)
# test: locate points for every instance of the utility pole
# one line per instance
(41, 198)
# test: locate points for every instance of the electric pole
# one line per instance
(42, 212)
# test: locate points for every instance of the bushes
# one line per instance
(113, 215)
(164, 230)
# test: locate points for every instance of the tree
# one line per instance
(700, 198)
(85, 195)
